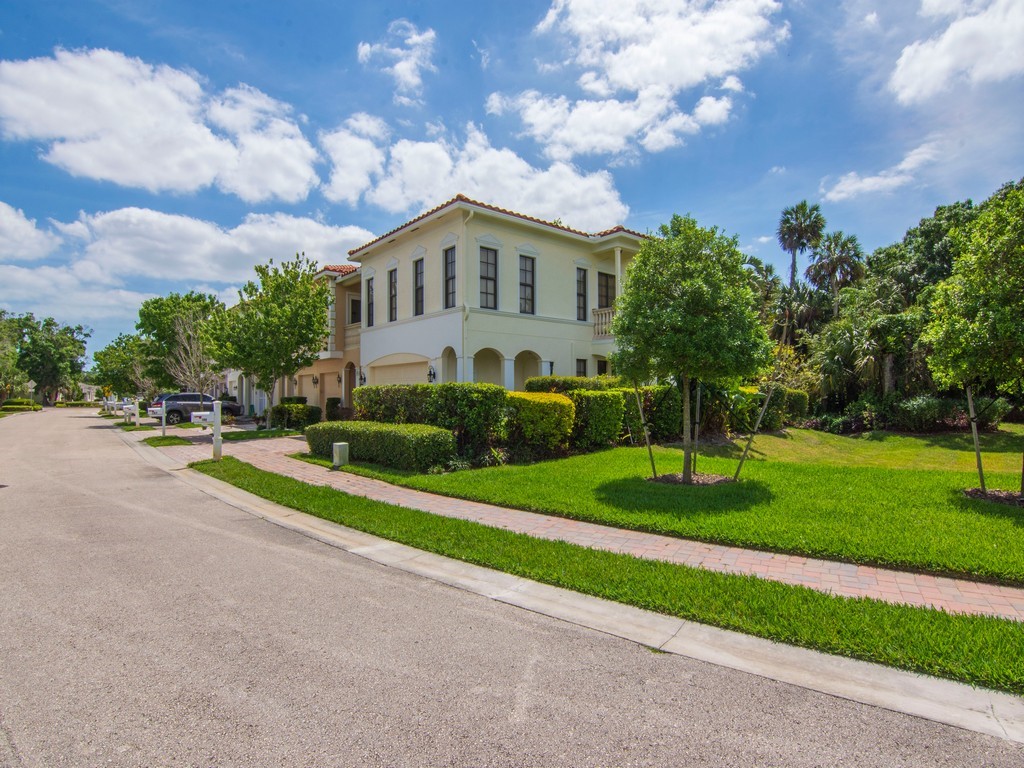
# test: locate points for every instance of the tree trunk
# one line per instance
(977, 445)
(647, 433)
(888, 375)
(687, 433)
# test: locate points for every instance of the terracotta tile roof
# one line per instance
(460, 198)
(344, 269)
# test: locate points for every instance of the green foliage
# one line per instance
(294, 415)
(294, 400)
(663, 409)
(923, 413)
(747, 406)
(475, 413)
(158, 327)
(800, 228)
(51, 354)
(119, 365)
(12, 378)
(278, 326)
(75, 404)
(539, 422)
(797, 403)
(977, 325)
(19, 408)
(333, 409)
(402, 446)
(564, 384)
(393, 403)
(598, 418)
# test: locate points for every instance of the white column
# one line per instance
(466, 368)
(510, 374)
(618, 271)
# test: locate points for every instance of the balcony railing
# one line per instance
(603, 322)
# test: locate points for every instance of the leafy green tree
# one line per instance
(836, 262)
(687, 313)
(12, 378)
(977, 323)
(278, 326)
(52, 354)
(159, 326)
(119, 365)
(800, 228)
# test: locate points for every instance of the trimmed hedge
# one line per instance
(294, 415)
(393, 403)
(663, 408)
(563, 384)
(746, 410)
(598, 419)
(20, 408)
(539, 422)
(333, 412)
(75, 404)
(402, 446)
(19, 401)
(293, 400)
(797, 405)
(475, 413)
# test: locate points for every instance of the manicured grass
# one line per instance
(904, 518)
(160, 441)
(140, 428)
(186, 425)
(258, 434)
(978, 650)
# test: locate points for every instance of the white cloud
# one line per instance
(981, 44)
(419, 174)
(406, 55)
(21, 239)
(900, 175)
(871, 20)
(652, 50)
(63, 294)
(484, 54)
(104, 115)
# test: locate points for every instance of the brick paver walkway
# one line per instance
(952, 595)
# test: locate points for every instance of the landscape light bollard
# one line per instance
(216, 430)
(340, 454)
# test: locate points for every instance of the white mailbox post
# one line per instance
(211, 419)
(131, 410)
(158, 411)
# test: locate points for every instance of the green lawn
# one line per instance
(977, 650)
(159, 441)
(258, 434)
(827, 507)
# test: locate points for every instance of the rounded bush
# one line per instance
(402, 446)
(598, 419)
(540, 421)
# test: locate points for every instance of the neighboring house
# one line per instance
(471, 292)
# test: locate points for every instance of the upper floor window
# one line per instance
(417, 287)
(449, 277)
(354, 310)
(488, 278)
(581, 293)
(605, 290)
(527, 277)
(392, 295)
(369, 302)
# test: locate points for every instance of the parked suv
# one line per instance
(179, 406)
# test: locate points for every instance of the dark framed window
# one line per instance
(449, 277)
(355, 309)
(369, 302)
(581, 366)
(392, 295)
(602, 367)
(488, 278)
(605, 290)
(417, 287)
(581, 294)
(527, 284)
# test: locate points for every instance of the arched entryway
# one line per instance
(350, 384)
(527, 366)
(487, 365)
(449, 365)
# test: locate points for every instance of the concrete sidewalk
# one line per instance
(844, 579)
(934, 699)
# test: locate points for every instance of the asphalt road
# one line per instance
(145, 623)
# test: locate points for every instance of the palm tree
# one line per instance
(800, 228)
(837, 261)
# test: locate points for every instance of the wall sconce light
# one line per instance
(295, 382)
(316, 380)
(551, 367)
(362, 377)
(431, 374)
(339, 379)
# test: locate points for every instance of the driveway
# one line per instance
(143, 622)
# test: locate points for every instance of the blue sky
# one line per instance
(149, 147)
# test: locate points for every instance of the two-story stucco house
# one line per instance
(471, 292)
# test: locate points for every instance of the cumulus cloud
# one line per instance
(58, 292)
(21, 239)
(405, 55)
(408, 175)
(900, 175)
(981, 43)
(103, 115)
(637, 57)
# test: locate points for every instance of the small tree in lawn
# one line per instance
(191, 362)
(977, 325)
(278, 326)
(687, 313)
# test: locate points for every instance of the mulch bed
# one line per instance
(699, 478)
(1010, 498)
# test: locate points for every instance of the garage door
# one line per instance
(406, 373)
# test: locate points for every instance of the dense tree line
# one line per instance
(41, 357)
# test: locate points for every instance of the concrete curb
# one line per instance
(942, 701)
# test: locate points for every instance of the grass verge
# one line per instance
(910, 519)
(977, 650)
(258, 434)
(139, 428)
(159, 441)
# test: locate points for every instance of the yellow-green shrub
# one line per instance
(539, 422)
